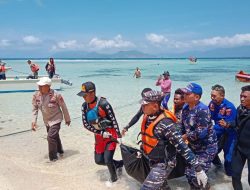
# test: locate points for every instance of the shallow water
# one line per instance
(114, 80)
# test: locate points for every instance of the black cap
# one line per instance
(166, 73)
(87, 87)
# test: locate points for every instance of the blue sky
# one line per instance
(43, 27)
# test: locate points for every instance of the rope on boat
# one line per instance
(19, 72)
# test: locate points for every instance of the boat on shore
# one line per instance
(21, 84)
(242, 76)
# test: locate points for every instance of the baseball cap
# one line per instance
(44, 81)
(87, 87)
(151, 96)
(192, 88)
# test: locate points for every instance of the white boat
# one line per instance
(21, 84)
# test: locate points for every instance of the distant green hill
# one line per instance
(95, 55)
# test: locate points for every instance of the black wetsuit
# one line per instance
(242, 147)
(135, 119)
(104, 147)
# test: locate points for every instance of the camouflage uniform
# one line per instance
(166, 131)
(197, 125)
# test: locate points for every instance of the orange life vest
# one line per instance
(34, 67)
(149, 141)
(2, 68)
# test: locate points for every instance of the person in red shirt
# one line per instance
(3, 69)
(34, 69)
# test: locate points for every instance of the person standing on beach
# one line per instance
(165, 83)
(3, 70)
(137, 116)
(50, 68)
(223, 113)
(98, 117)
(34, 69)
(241, 152)
(53, 110)
(160, 143)
(197, 129)
(137, 73)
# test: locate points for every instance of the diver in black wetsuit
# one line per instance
(137, 116)
(98, 117)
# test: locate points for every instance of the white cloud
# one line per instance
(31, 40)
(117, 42)
(156, 38)
(161, 41)
(69, 45)
(236, 40)
(233, 41)
(4, 43)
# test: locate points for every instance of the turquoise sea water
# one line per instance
(114, 80)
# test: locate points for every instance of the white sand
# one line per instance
(25, 166)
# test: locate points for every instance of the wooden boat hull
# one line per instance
(21, 84)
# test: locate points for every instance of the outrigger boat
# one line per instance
(242, 76)
(21, 84)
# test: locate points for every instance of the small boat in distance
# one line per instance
(192, 59)
(21, 84)
(242, 76)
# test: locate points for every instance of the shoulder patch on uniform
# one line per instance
(223, 111)
(211, 106)
(228, 112)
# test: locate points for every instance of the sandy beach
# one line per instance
(25, 165)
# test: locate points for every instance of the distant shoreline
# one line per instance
(82, 58)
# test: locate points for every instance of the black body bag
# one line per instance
(137, 168)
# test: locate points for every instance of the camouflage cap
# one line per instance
(151, 96)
